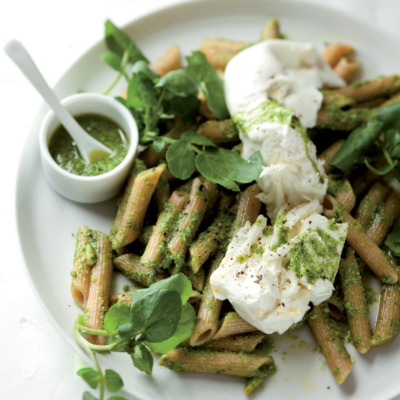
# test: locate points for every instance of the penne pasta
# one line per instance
(136, 206)
(202, 196)
(208, 314)
(368, 251)
(233, 324)
(334, 52)
(99, 291)
(271, 30)
(356, 306)
(129, 265)
(224, 131)
(84, 258)
(332, 347)
(155, 255)
(170, 61)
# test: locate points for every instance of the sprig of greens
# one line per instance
(153, 100)
(158, 319)
(380, 135)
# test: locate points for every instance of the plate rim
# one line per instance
(152, 12)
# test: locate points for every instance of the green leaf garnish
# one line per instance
(209, 82)
(142, 359)
(117, 315)
(90, 376)
(113, 380)
(226, 167)
(181, 159)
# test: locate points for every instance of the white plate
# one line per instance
(47, 222)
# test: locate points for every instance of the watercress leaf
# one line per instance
(118, 42)
(389, 115)
(209, 82)
(178, 83)
(127, 331)
(88, 396)
(183, 331)
(113, 60)
(142, 359)
(158, 144)
(393, 240)
(142, 66)
(181, 159)
(113, 380)
(90, 376)
(195, 138)
(357, 144)
(117, 315)
(185, 107)
(141, 94)
(225, 167)
(178, 282)
(117, 398)
(157, 314)
(392, 142)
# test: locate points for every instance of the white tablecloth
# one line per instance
(35, 361)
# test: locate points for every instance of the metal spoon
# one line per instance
(86, 143)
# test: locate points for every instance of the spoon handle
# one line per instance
(17, 52)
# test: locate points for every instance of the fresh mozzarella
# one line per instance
(270, 277)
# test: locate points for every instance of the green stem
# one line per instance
(124, 61)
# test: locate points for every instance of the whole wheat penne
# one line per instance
(129, 265)
(327, 155)
(99, 291)
(368, 251)
(84, 258)
(249, 207)
(355, 303)
(215, 362)
(136, 206)
(367, 90)
(336, 307)
(223, 131)
(347, 69)
(208, 315)
(336, 119)
(162, 192)
(362, 181)
(201, 197)
(387, 322)
(233, 324)
(255, 382)
(155, 251)
(337, 99)
(126, 298)
(271, 30)
(238, 343)
(211, 239)
(332, 347)
(198, 279)
(170, 61)
(341, 189)
(138, 167)
(381, 224)
(370, 203)
(334, 52)
(121, 298)
(219, 51)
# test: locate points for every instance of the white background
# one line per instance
(35, 361)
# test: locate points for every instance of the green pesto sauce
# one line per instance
(65, 152)
(281, 232)
(274, 112)
(314, 255)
